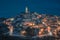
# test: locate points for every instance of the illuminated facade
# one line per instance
(33, 24)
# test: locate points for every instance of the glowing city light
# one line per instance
(46, 25)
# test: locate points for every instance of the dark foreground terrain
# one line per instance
(27, 38)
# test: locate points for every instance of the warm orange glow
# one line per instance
(44, 20)
(29, 23)
(48, 29)
(58, 28)
(10, 30)
(46, 25)
(58, 22)
(41, 31)
(7, 23)
(23, 32)
(55, 33)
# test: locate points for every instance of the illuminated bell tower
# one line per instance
(26, 10)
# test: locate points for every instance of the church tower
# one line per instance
(26, 10)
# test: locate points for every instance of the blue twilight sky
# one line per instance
(10, 8)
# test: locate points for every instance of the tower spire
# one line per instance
(26, 10)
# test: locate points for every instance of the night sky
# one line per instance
(10, 8)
